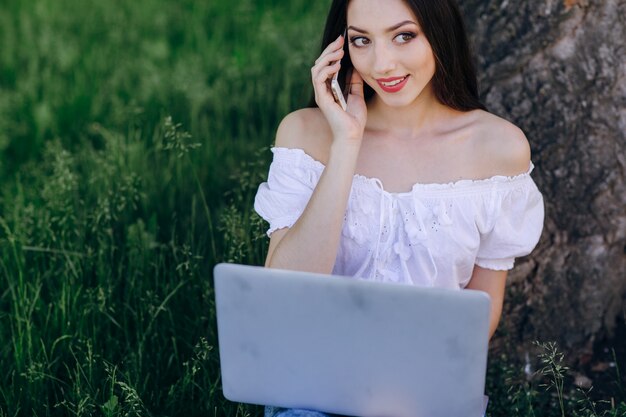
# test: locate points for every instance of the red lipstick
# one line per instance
(392, 84)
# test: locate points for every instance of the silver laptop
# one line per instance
(348, 346)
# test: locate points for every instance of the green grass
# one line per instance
(133, 136)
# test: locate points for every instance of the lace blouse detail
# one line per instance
(430, 236)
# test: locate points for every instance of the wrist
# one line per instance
(345, 147)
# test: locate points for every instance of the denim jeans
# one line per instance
(294, 412)
(298, 412)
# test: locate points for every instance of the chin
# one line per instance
(395, 100)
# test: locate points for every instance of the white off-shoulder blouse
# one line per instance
(430, 236)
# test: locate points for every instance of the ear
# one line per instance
(356, 83)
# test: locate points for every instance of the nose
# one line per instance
(384, 59)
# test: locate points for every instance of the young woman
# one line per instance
(415, 182)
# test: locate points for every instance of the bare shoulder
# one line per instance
(502, 147)
(305, 129)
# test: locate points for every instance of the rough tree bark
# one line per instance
(557, 68)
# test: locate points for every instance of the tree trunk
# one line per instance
(557, 69)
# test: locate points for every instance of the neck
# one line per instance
(413, 120)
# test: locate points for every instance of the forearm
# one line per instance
(311, 244)
(494, 317)
(493, 283)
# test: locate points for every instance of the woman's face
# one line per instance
(389, 50)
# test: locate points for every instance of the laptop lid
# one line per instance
(349, 346)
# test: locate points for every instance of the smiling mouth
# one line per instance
(392, 85)
(394, 82)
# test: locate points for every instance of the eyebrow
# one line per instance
(391, 29)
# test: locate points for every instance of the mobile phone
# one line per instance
(334, 83)
(339, 98)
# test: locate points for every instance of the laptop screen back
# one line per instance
(348, 346)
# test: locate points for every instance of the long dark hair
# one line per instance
(454, 82)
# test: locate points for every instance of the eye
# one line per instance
(405, 37)
(359, 41)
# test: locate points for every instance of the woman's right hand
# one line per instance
(346, 125)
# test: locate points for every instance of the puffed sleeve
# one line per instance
(292, 178)
(512, 223)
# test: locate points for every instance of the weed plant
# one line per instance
(133, 136)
